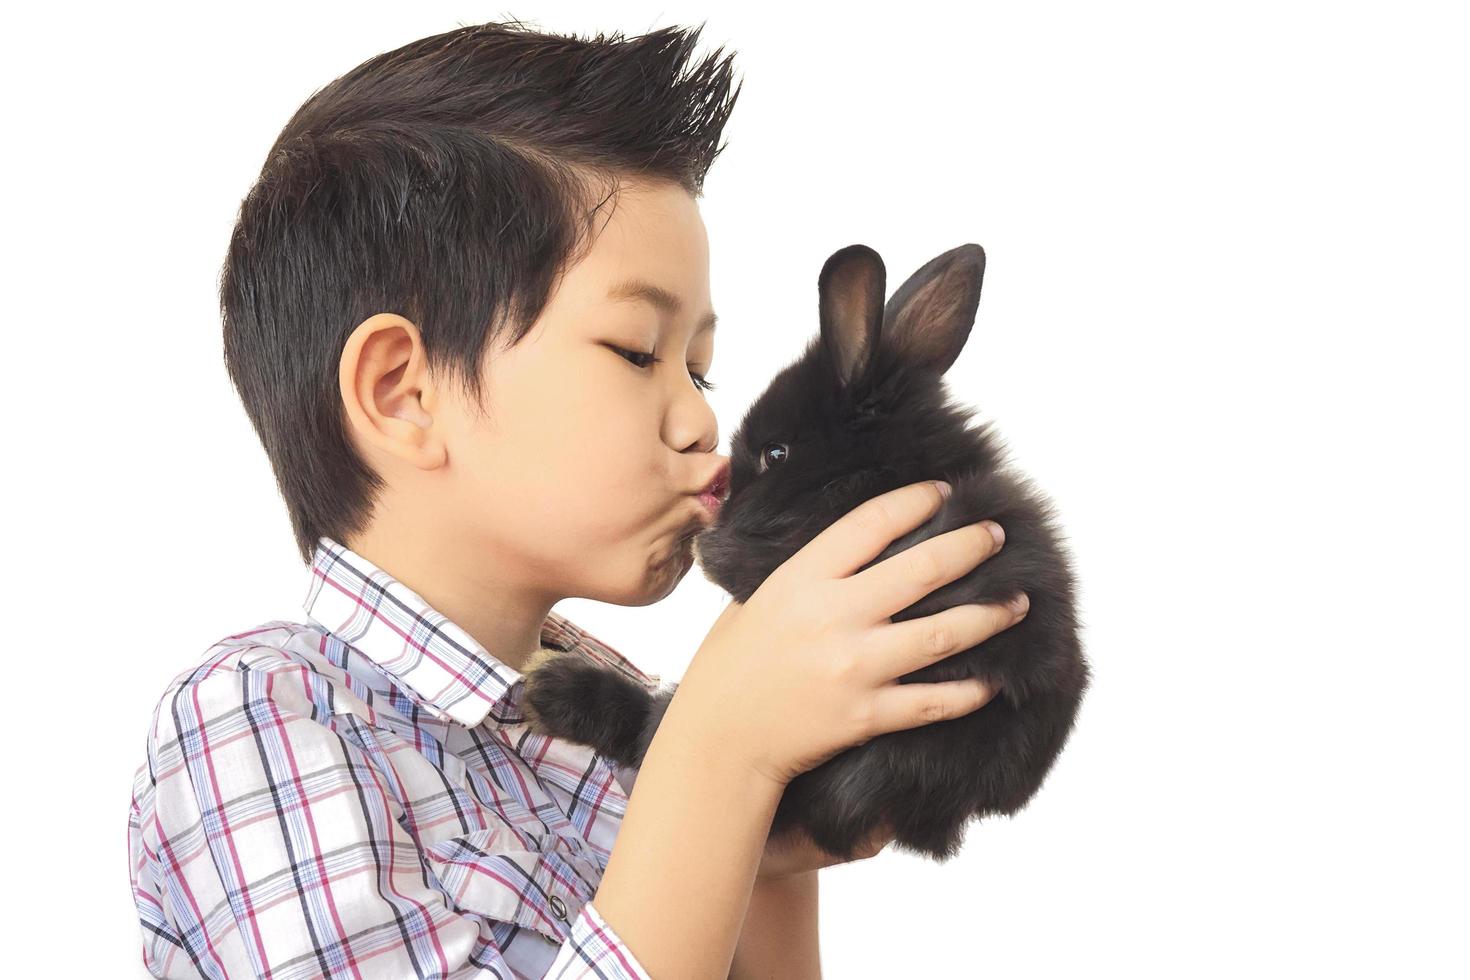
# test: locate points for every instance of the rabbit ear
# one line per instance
(928, 320)
(850, 300)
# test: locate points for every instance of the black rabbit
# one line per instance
(861, 412)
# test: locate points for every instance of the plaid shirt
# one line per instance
(359, 796)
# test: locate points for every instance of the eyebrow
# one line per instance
(660, 298)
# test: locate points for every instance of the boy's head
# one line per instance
(419, 310)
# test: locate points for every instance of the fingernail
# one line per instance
(944, 489)
(1021, 603)
(996, 532)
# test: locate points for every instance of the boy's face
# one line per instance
(579, 479)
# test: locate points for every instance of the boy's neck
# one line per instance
(500, 615)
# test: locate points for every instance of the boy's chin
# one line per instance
(645, 579)
(666, 572)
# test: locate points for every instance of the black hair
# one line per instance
(452, 181)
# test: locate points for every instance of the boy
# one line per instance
(466, 306)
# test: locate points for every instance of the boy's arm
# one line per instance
(779, 940)
(680, 876)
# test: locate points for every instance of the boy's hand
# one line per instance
(794, 852)
(810, 664)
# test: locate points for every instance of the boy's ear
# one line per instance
(388, 394)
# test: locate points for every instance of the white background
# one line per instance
(1223, 325)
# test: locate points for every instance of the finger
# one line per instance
(880, 838)
(860, 535)
(898, 706)
(906, 646)
(901, 580)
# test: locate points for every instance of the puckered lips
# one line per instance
(713, 495)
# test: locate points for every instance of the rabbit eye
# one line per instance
(772, 454)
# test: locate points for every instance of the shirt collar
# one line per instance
(423, 650)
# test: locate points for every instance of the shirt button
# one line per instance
(558, 907)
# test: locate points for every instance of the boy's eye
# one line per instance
(630, 355)
(643, 359)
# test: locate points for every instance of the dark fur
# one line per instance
(862, 412)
